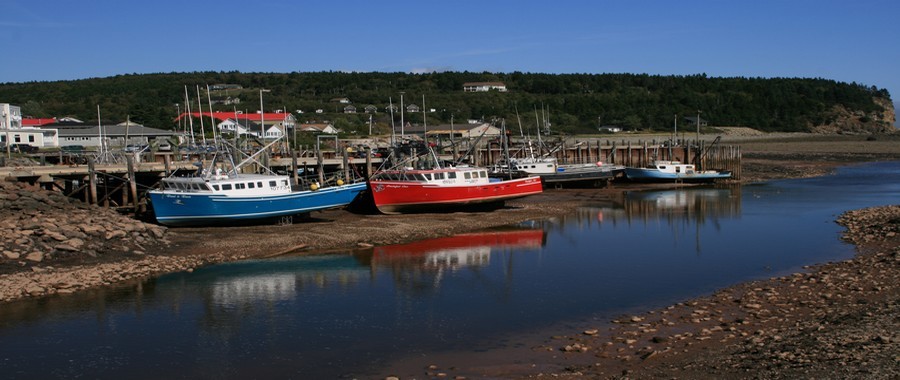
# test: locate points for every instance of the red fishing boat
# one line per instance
(412, 190)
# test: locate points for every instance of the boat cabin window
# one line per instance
(451, 175)
(215, 187)
(438, 175)
(272, 183)
(284, 182)
(259, 184)
(427, 176)
(226, 186)
(467, 175)
(483, 174)
(239, 186)
(251, 185)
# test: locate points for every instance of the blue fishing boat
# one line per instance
(218, 197)
(674, 171)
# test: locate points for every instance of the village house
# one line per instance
(483, 86)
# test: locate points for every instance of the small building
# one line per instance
(37, 137)
(318, 128)
(610, 129)
(240, 126)
(115, 135)
(484, 86)
(340, 100)
(350, 109)
(692, 121)
(371, 109)
(412, 108)
(445, 131)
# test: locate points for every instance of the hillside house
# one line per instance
(484, 86)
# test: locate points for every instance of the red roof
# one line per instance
(271, 116)
(32, 122)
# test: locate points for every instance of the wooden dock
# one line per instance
(124, 183)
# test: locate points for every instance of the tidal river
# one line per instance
(353, 314)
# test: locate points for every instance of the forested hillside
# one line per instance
(574, 103)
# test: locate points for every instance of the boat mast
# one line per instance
(391, 109)
(538, 126)
(187, 103)
(212, 120)
(200, 110)
(504, 139)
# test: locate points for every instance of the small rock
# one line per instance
(35, 256)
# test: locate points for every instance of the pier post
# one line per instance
(92, 183)
(167, 162)
(368, 162)
(132, 183)
(320, 166)
(345, 160)
(294, 175)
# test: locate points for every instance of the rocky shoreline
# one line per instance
(835, 321)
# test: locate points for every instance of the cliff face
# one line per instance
(843, 120)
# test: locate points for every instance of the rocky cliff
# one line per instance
(842, 120)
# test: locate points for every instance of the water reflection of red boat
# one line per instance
(463, 249)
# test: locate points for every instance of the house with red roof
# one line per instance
(36, 122)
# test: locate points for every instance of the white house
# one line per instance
(241, 127)
(483, 86)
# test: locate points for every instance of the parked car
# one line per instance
(135, 148)
(23, 148)
(165, 146)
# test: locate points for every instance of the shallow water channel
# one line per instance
(354, 314)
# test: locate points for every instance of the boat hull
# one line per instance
(655, 175)
(191, 209)
(581, 174)
(393, 197)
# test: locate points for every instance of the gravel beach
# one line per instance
(835, 320)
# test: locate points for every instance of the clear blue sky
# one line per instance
(850, 41)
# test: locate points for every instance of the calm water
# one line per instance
(352, 314)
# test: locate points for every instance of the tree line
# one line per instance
(573, 103)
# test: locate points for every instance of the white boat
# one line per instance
(554, 174)
(666, 171)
